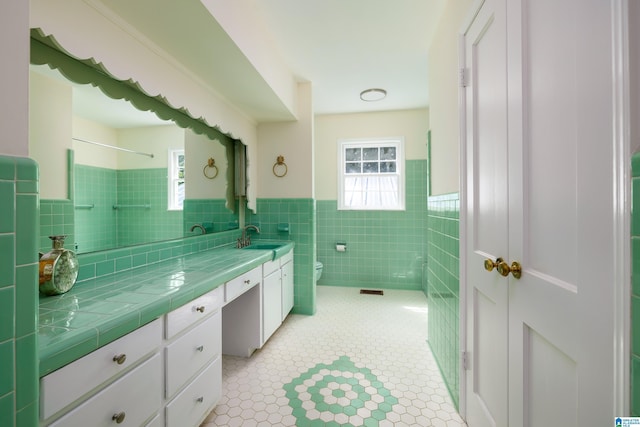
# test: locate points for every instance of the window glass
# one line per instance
(176, 182)
(371, 176)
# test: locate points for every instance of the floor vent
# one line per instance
(371, 292)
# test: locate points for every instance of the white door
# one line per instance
(487, 221)
(539, 156)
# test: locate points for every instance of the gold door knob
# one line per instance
(515, 269)
(200, 309)
(118, 418)
(120, 358)
(490, 265)
(503, 268)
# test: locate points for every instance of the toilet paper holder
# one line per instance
(341, 247)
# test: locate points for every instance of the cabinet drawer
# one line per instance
(189, 353)
(194, 311)
(136, 397)
(73, 381)
(193, 404)
(242, 283)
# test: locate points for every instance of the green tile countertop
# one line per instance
(98, 311)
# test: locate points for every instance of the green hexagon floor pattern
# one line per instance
(340, 387)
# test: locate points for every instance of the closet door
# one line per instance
(539, 157)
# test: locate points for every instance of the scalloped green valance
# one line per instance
(46, 51)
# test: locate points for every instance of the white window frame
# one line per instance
(398, 143)
(174, 200)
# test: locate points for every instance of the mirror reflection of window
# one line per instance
(176, 180)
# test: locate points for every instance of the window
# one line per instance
(176, 180)
(371, 175)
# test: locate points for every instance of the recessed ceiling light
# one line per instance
(374, 94)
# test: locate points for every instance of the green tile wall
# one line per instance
(635, 286)
(300, 215)
(139, 225)
(19, 232)
(443, 283)
(385, 249)
(99, 226)
(210, 213)
(95, 226)
(56, 218)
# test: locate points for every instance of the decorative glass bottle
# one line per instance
(58, 268)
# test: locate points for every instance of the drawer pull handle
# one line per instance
(118, 418)
(247, 281)
(200, 348)
(200, 309)
(119, 359)
(200, 399)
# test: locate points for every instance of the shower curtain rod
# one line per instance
(114, 147)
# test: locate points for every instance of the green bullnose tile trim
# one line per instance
(327, 383)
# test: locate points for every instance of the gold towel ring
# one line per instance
(280, 162)
(211, 163)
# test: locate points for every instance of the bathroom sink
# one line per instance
(278, 249)
(265, 246)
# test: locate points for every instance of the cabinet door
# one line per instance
(287, 289)
(271, 304)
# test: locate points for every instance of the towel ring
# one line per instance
(211, 164)
(280, 162)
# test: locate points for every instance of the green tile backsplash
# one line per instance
(56, 218)
(300, 215)
(443, 280)
(635, 286)
(385, 249)
(19, 232)
(210, 213)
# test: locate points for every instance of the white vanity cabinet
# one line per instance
(142, 379)
(107, 374)
(193, 371)
(168, 373)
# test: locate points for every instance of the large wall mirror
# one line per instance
(130, 175)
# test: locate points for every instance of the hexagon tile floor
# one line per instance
(361, 360)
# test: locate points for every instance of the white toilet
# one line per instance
(319, 267)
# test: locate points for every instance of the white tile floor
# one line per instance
(361, 360)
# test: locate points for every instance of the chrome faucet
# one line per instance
(200, 227)
(245, 240)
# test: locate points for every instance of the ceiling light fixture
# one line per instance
(374, 94)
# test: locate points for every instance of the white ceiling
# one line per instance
(341, 46)
(346, 46)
